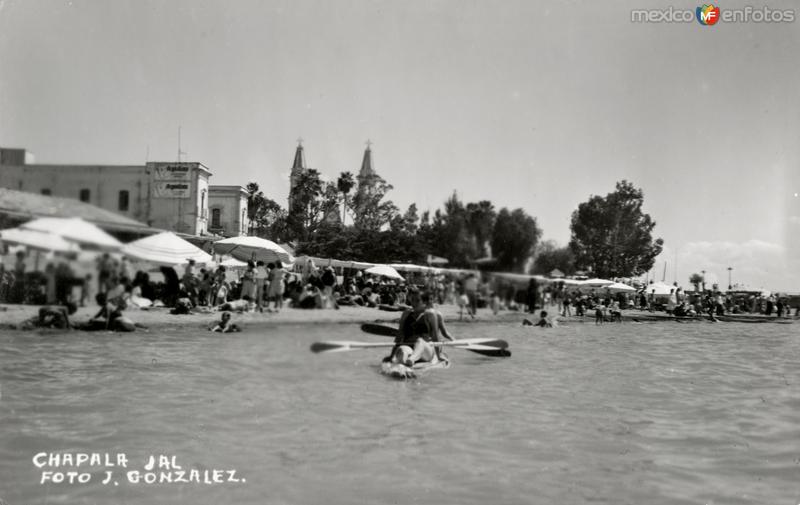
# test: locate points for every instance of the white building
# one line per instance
(167, 195)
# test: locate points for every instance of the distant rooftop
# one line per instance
(24, 205)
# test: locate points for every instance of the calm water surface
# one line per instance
(639, 413)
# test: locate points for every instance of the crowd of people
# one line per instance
(269, 287)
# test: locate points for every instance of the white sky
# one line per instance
(528, 104)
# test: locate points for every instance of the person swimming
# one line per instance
(543, 321)
(224, 325)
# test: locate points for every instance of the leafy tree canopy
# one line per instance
(612, 236)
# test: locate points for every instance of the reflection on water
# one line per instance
(635, 413)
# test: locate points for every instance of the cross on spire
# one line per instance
(368, 143)
(300, 141)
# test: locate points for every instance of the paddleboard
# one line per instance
(400, 371)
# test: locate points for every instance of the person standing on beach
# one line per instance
(261, 276)
(276, 285)
(471, 290)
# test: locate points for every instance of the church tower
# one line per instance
(367, 178)
(298, 168)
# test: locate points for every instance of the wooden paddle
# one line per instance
(497, 351)
(489, 346)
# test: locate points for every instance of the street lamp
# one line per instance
(704, 279)
(729, 278)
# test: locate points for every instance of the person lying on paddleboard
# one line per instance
(419, 326)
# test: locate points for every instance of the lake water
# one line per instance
(622, 414)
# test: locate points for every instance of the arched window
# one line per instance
(203, 210)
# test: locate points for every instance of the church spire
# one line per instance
(366, 164)
(299, 164)
(298, 168)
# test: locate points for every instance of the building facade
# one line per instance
(167, 195)
(227, 206)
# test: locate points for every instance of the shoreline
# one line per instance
(11, 316)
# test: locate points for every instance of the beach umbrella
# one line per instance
(38, 240)
(76, 230)
(253, 249)
(384, 271)
(165, 249)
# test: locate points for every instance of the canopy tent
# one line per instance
(407, 267)
(384, 271)
(556, 273)
(232, 263)
(253, 249)
(330, 262)
(596, 283)
(437, 260)
(165, 249)
(618, 287)
(76, 230)
(659, 289)
(38, 240)
(519, 278)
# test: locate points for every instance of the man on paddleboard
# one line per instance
(419, 327)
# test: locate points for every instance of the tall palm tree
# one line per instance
(344, 184)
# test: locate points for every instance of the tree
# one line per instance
(480, 219)
(550, 257)
(371, 212)
(344, 184)
(696, 280)
(447, 234)
(612, 236)
(267, 218)
(514, 237)
(311, 202)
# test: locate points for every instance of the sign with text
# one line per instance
(171, 190)
(172, 172)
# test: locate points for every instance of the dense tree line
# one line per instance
(611, 236)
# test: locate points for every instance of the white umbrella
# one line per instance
(165, 249)
(75, 230)
(253, 248)
(37, 240)
(384, 271)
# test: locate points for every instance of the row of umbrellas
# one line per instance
(68, 235)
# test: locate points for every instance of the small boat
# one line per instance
(400, 371)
